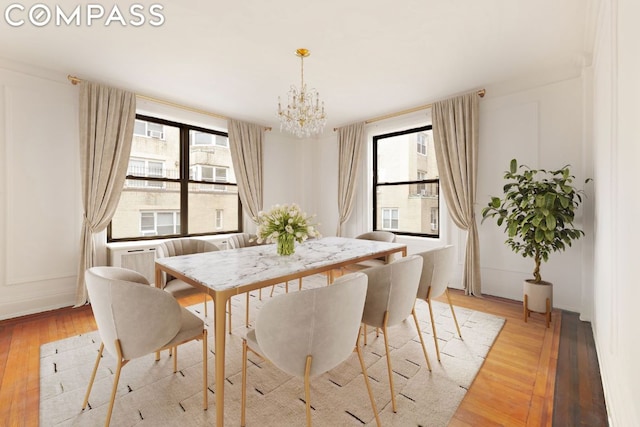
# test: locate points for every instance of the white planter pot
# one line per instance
(538, 297)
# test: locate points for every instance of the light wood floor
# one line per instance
(514, 387)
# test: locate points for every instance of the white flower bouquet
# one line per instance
(284, 225)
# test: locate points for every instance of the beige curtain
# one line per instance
(455, 133)
(245, 142)
(107, 117)
(350, 139)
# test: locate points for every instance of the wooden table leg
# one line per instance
(219, 324)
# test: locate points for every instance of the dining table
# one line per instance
(223, 274)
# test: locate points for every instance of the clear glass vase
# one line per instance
(285, 244)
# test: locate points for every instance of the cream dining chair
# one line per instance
(129, 329)
(182, 246)
(378, 236)
(391, 297)
(236, 241)
(311, 340)
(437, 272)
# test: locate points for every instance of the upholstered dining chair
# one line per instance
(437, 272)
(391, 299)
(182, 246)
(129, 329)
(310, 332)
(236, 241)
(378, 236)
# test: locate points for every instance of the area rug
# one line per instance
(150, 394)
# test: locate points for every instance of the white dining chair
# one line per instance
(437, 272)
(182, 246)
(391, 297)
(310, 332)
(130, 329)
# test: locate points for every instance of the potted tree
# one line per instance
(537, 210)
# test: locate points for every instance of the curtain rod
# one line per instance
(480, 93)
(75, 80)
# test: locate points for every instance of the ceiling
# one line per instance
(368, 57)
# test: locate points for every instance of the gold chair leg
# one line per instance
(366, 381)
(286, 287)
(229, 310)
(205, 399)
(525, 306)
(93, 376)
(243, 401)
(389, 368)
(365, 334)
(246, 315)
(205, 305)
(272, 288)
(260, 294)
(424, 349)
(116, 379)
(433, 326)
(175, 358)
(455, 319)
(300, 284)
(307, 389)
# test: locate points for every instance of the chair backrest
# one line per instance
(321, 322)
(380, 236)
(392, 288)
(242, 240)
(182, 246)
(143, 318)
(437, 271)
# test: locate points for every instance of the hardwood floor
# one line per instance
(515, 386)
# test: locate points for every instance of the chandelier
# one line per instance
(304, 114)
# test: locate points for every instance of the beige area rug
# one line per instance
(149, 394)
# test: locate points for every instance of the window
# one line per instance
(406, 180)
(421, 143)
(203, 138)
(146, 168)
(179, 182)
(159, 223)
(148, 129)
(219, 217)
(390, 218)
(422, 188)
(434, 218)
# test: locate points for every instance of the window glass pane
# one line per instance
(222, 141)
(400, 209)
(206, 173)
(201, 138)
(166, 223)
(134, 215)
(204, 203)
(140, 128)
(399, 161)
(147, 222)
(221, 175)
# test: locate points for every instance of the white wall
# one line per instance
(40, 197)
(541, 127)
(616, 90)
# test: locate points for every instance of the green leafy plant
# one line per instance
(537, 211)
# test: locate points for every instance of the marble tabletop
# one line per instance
(222, 270)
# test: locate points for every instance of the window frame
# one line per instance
(183, 181)
(417, 182)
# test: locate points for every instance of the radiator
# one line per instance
(140, 259)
